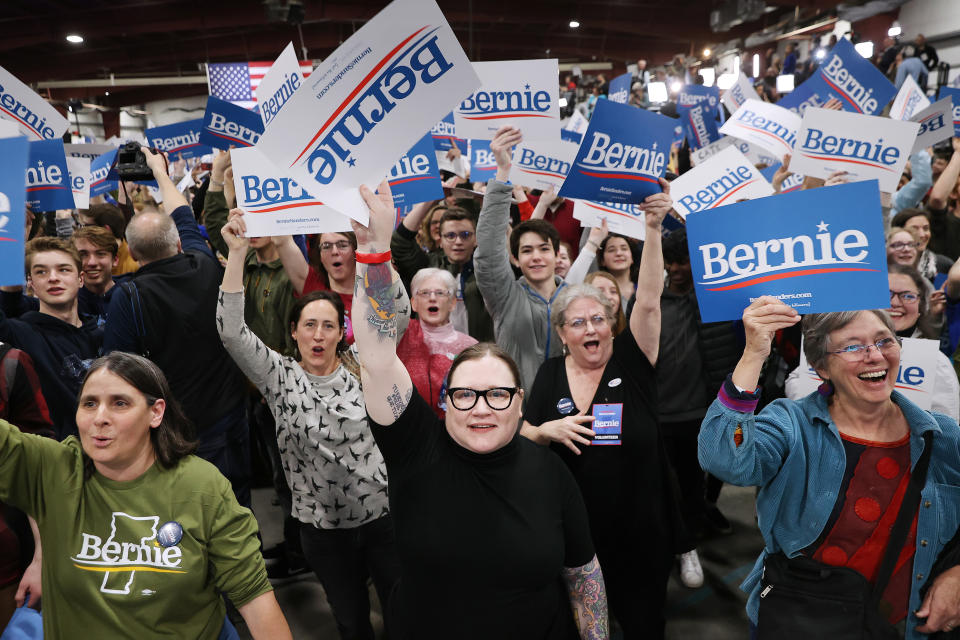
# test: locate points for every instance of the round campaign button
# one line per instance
(565, 406)
(169, 534)
(615, 382)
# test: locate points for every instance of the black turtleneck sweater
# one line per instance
(482, 538)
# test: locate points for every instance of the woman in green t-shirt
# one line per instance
(139, 537)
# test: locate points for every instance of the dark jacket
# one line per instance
(61, 354)
(178, 304)
(89, 304)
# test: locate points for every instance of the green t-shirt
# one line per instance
(105, 575)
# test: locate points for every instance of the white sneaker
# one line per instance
(691, 573)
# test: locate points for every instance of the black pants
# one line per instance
(265, 429)
(343, 559)
(636, 583)
(680, 440)
(226, 444)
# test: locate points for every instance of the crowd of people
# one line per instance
(483, 385)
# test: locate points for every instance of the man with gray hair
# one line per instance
(167, 312)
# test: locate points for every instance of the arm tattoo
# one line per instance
(378, 287)
(397, 404)
(588, 599)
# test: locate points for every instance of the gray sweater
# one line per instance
(521, 316)
(335, 470)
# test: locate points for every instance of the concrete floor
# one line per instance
(713, 612)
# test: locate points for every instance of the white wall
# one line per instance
(939, 21)
(164, 112)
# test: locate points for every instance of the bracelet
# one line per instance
(372, 258)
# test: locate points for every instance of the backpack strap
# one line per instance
(134, 295)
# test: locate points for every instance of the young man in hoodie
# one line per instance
(520, 307)
(61, 344)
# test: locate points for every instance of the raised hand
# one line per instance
(502, 148)
(781, 174)
(375, 237)
(657, 205)
(762, 319)
(234, 233)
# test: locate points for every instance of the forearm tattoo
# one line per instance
(378, 286)
(588, 599)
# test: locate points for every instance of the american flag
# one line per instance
(237, 82)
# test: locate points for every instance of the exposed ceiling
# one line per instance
(149, 38)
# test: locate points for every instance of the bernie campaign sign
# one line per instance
(33, 115)
(623, 154)
(226, 125)
(693, 94)
(516, 93)
(180, 140)
(954, 94)
(816, 250)
(276, 87)
(415, 177)
(701, 155)
(916, 377)
(275, 205)
(910, 100)
(934, 124)
(542, 164)
(850, 78)
(444, 135)
(766, 125)
(13, 158)
(483, 164)
(726, 178)
(625, 219)
(793, 182)
(866, 147)
(48, 179)
(100, 182)
(620, 88)
(89, 151)
(740, 92)
(801, 99)
(79, 169)
(699, 125)
(369, 102)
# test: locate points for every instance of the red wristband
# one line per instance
(372, 258)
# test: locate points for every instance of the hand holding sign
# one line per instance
(656, 206)
(235, 233)
(761, 320)
(375, 236)
(782, 173)
(502, 147)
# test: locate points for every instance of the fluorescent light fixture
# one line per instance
(895, 30)
(563, 102)
(726, 80)
(706, 53)
(756, 65)
(785, 83)
(74, 38)
(864, 48)
(820, 53)
(709, 76)
(657, 92)
(574, 24)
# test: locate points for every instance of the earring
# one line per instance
(825, 388)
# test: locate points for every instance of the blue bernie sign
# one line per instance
(48, 180)
(14, 155)
(483, 165)
(180, 140)
(817, 250)
(226, 125)
(415, 177)
(620, 88)
(100, 180)
(623, 154)
(444, 135)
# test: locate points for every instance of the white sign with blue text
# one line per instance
(368, 102)
(13, 159)
(816, 250)
(226, 125)
(740, 92)
(623, 154)
(724, 179)
(278, 85)
(954, 94)
(916, 376)
(89, 151)
(516, 93)
(934, 124)
(274, 204)
(415, 177)
(542, 164)
(48, 179)
(910, 100)
(765, 125)
(33, 115)
(79, 169)
(625, 219)
(180, 140)
(866, 147)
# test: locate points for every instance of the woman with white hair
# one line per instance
(431, 343)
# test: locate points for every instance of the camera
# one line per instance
(132, 163)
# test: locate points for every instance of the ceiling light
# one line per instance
(706, 53)
(895, 30)
(574, 24)
(74, 38)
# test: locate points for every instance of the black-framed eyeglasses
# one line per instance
(901, 246)
(453, 235)
(497, 398)
(343, 245)
(858, 352)
(904, 296)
